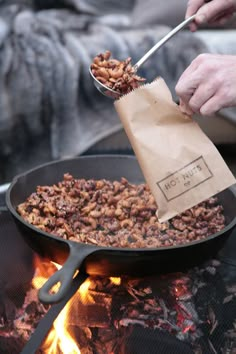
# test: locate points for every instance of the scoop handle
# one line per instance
(163, 41)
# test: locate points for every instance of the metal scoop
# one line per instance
(106, 91)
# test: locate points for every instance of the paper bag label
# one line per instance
(188, 177)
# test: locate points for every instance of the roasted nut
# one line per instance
(115, 73)
(126, 223)
(96, 214)
(118, 75)
(102, 79)
(103, 73)
(117, 213)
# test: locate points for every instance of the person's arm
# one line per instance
(208, 84)
(215, 12)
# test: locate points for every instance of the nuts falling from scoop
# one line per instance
(119, 76)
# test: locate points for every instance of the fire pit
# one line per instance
(190, 312)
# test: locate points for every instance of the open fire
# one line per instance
(105, 313)
(59, 339)
(169, 308)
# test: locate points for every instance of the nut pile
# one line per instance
(118, 75)
(117, 214)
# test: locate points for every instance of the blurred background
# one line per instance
(49, 108)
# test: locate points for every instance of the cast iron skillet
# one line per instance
(105, 261)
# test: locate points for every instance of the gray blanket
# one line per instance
(49, 108)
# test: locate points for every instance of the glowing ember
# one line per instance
(115, 281)
(188, 328)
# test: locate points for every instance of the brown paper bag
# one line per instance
(180, 164)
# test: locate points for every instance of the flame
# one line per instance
(58, 266)
(42, 274)
(38, 281)
(84, 294)
(59, 339)
(115, 281)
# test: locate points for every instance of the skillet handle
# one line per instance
(64, 276)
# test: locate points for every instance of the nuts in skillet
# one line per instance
(120, 76)
(115, 214)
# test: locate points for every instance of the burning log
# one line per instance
(91, 314)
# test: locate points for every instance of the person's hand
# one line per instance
(215, 12)
(208, 84)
